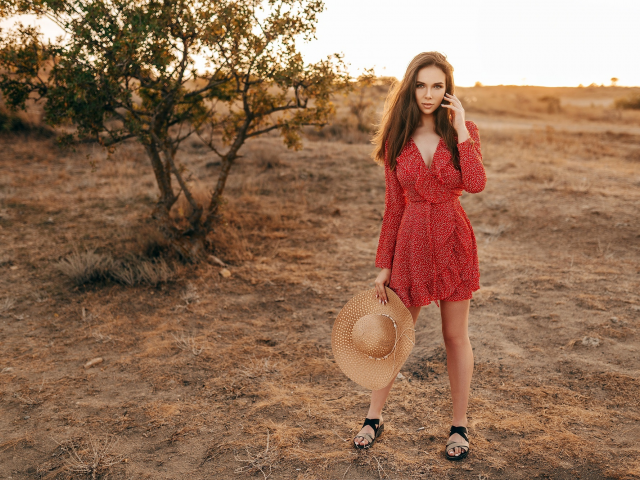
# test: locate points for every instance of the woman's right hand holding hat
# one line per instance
(381, 282)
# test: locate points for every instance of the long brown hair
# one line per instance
(402, 114)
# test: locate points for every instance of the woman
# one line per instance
(427, 249)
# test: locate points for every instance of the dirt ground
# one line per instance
(212, 377)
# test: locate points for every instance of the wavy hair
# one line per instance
(402, 114)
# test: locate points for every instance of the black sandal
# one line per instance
(462, 431)
(377, 429)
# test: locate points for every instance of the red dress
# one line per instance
(426, 238)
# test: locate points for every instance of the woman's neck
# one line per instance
(427, 122)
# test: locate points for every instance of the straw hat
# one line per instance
(371, 341)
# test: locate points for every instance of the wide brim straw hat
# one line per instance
(371, 341)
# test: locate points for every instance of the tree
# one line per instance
(127, 69)
(614, 81)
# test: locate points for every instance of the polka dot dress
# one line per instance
(426, 238)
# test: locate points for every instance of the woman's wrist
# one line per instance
(463, 135)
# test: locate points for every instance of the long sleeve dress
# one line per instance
(426, 238)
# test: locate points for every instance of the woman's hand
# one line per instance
(383, 280)
(458, 116)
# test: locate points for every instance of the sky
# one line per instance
(510, 42)
(516, 42)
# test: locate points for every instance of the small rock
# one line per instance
(215, 259)
(400, 376)
(225, 273)
(13, 267)
(279, 299)
(614, 319)
(94, 362)
(590, 342)
(7, 370)
(50, 220)
(26, 417)
(421, 428)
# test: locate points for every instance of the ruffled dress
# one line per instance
(426, 238)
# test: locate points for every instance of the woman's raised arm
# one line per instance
(474, 176)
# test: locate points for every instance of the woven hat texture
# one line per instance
(371, 341)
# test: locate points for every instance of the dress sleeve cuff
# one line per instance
(469, 142)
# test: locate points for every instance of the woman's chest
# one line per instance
(411, 168)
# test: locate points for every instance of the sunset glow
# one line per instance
(548, 42)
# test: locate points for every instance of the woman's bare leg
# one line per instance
(455, 321)
(379, 397)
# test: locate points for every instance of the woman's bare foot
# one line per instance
(363, 441)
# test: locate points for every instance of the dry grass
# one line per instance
(206, 376)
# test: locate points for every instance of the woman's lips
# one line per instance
(427, 105)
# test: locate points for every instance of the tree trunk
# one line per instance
(190, 247)
(163, 179)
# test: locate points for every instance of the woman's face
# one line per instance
(430, 88)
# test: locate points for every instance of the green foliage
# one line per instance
(128, 69)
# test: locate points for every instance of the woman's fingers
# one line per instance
(378, 293)
(453, 99)
(381, 293)
(454, 102)
(382, 280)
(453, 107)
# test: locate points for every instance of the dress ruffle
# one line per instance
(439, 254)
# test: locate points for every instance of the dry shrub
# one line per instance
(182, 209)
(138, 271)
(90, 267)
(93, 459)
(6, 305)
(252, 224)
(631, 102)
(86, 267)
(150, 242)
(552, 102)
(342, 130)
(259, 460)
(21, 122)
(188, 343)
(266, 157)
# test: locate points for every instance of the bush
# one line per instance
(142, 272)
(12, 123)
(87, 267)
(91, 267)
(553, 103)
(631, 102)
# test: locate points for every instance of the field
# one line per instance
(229, 377)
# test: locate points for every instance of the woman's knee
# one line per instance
(456, 339)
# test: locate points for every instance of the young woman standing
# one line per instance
(427, 249)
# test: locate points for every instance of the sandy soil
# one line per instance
(225, 378)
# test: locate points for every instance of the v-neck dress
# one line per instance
(426, 238)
